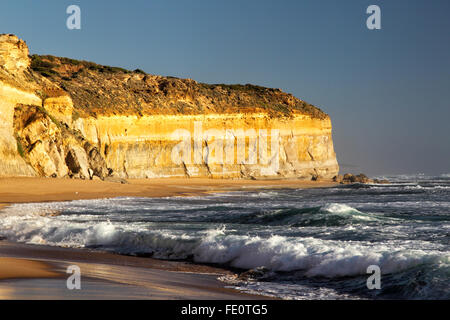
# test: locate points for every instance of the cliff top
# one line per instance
(103, 90)
(99, 89)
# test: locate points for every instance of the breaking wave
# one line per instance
(316, 257)
(309, 243)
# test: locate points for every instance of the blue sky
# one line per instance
(387, 91)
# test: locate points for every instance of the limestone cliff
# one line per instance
(63, 117)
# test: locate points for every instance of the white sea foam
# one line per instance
(286, 291)
(317, 257)
(309, 234)
(123, 226)
(345, 210)
(339, 208)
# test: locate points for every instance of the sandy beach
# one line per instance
(20, 190)
(24, 269)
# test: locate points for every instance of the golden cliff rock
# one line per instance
(62, 117)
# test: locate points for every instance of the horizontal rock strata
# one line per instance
(66, 118)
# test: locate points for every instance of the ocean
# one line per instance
(297, 243)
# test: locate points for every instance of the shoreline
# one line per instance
(25, 268)
(39, 272)
(27, 190)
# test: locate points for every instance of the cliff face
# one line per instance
(214, 145)
(13, 62)
(62, 117)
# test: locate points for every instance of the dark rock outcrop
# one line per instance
(349, 178)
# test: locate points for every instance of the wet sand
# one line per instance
(11, 268)
(39, 272)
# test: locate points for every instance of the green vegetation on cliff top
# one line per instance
(97, 89)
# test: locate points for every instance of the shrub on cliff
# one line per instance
(44, 67)
(95, 88)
